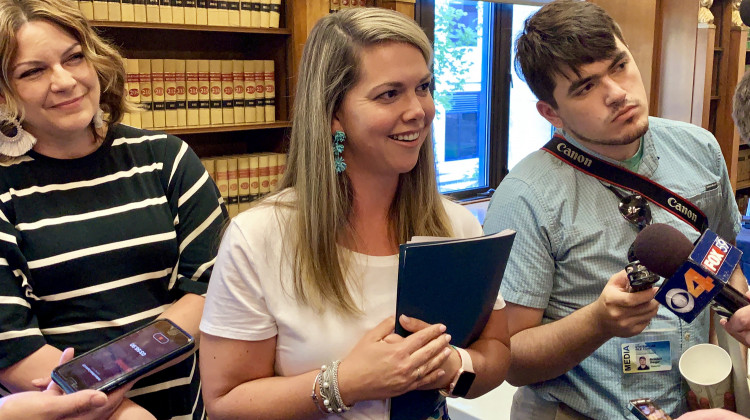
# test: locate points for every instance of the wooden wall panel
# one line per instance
(676, 69)
(637, 20)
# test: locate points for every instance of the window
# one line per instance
(486, 118)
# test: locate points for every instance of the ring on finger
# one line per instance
(419, 373)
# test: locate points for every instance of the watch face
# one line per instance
(463, 384)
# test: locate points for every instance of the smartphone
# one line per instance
(645, 409)
(125, 358)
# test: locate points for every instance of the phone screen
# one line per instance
(129, 353)
(646, 409)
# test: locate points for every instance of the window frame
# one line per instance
(497, 123)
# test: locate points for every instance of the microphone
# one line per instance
(745, 12)
(695, 276)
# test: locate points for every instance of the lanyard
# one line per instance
(623, 178)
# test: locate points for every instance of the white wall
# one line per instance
(494, 405)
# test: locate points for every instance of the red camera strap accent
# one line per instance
(623, 178)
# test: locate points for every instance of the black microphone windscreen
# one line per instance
(662, 249)
(745, 12)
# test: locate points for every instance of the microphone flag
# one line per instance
(700, 278)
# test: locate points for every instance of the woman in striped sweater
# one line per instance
(103, 227)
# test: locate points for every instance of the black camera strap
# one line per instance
(623, 178)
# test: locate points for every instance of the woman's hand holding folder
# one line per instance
(383, 364)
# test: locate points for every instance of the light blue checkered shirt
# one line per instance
(571, 239)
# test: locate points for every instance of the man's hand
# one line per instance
(738, 326)
(623, 314)
(712, 414)
(695, 404)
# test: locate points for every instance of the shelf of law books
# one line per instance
(199, 13)
(197, 96)
(336, 5)
(245, 178)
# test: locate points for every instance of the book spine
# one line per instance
(254, 177)
(152, 11)
(269, 90)
(275, 16)
(249, 81)
(114, 10)
(233, 11)
(201, 12)
(204, 92)
(282, 165)
(210, 165)
(157, 89)
(263, 174)
(193, 103)
(139, 11)
(87, 9)
(181, 90)
(165, 11)
(178, 11)
(246, 7)
(233, 202)
(134, 89)
(255, 14)
(223, 12)
(260, 102)
(273, 172)
(238, 84)
(213, 12)
(191, 17)
(127, 11)
(243, 181)
(101, 10)
(214, 78)
(125, 119)
(265, 13)
(222, 178)
(227, 92)
(170, 92)
(144, 79)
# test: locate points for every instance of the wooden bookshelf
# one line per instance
(182, 27)
(225, 128)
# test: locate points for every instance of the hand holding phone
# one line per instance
(125, 358)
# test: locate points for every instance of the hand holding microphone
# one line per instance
(695, 276)
(738, 326)
(620, 313)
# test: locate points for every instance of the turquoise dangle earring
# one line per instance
(338, 149)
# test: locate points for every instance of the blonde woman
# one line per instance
(103, 227)
(299, 320)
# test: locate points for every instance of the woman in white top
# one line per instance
(298, 321)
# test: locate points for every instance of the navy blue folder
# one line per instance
(454, 282)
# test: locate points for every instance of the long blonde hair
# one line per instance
(106, 60)
(323, 205)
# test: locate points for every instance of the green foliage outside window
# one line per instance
(451, 40)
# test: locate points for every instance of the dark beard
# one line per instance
(622, 141)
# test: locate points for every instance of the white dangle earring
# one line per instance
(14, 140)
(98, 119)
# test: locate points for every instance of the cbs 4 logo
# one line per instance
(683, 300)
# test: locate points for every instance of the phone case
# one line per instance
(111, 384)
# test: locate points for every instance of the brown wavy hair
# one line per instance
(105, 59)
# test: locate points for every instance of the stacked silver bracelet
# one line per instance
(328, 386)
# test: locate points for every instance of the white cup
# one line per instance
(707, 369)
